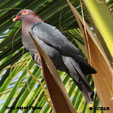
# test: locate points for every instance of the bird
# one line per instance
(64, 55)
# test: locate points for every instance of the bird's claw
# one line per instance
(37, 58)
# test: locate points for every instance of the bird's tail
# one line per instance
(86, 90)
(76, 74)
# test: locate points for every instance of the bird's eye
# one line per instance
(24, 12)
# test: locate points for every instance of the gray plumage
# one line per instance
(62, 52)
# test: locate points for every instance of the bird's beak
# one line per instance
(16, 18)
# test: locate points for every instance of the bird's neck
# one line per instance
(29, 21)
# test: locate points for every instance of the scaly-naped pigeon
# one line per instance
(61, 51)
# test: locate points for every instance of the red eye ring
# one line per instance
(24, 12)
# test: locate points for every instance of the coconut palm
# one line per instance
(18, 88)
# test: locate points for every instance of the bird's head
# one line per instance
(23, 14)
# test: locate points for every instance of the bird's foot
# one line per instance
(37, 58)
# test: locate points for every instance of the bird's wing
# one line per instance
(54, 38)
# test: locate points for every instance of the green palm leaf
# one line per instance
(17, 87)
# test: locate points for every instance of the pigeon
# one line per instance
(64, 55)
